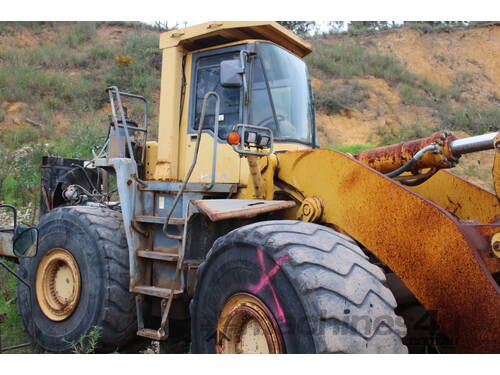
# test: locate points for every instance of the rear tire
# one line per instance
(319, 286)
(95, 238)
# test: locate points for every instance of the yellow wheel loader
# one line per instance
(236, 224)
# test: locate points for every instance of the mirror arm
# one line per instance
(10, 270)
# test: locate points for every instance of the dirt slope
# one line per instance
(469, 58)
(465, 62)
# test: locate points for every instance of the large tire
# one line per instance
(321, 289)
(96, 240)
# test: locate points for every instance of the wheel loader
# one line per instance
(235, 227)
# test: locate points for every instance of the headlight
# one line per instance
(251, 137)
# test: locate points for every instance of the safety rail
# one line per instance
(123, 122)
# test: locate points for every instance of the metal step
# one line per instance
(152, 334)
(158, 220)
(154, 291)
(156, 255)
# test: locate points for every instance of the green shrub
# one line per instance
(411, 95)
(20, 184)
(352, 60)
(140, 76)
(144, 48)
(86, 134)
(58, 90)
(101, 52)
(393, 135)
(54, 56)
(352, 149)
(463, 79)
(470, 119)
(332, 98)
(87, 343)
(79, 33)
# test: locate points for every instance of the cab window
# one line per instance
(208, 79)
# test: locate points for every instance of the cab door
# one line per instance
(205, 77)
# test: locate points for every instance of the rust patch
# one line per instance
(223, 209)
(496, 172)
(389, 158)
(439, 258)
(348, 183)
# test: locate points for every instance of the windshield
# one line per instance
(280, 94)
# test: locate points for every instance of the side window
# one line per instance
(208, 79)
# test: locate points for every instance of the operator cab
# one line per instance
(255, 73)
(258, 83)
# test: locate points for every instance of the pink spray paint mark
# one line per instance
(265, 281)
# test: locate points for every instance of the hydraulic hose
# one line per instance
(406, 167)
(420, 180)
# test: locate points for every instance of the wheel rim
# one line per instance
(58, 284)
(246, 325)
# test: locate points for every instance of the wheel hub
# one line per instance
(58, 284)
(246, 325)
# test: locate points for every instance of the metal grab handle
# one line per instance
(216, 135)
(195, 159)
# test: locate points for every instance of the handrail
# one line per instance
(195, 158)
(114, 91)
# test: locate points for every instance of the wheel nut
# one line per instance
(495, 245)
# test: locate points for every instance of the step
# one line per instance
(158, 220)
(154, 291)
(152, 334)
(156, 255)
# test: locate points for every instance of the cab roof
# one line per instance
(216, 33)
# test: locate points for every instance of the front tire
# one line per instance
(86, 249)
(318, 288)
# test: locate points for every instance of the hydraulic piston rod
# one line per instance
(473, 144)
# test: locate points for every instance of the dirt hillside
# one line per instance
(457, 86)
(370, 90)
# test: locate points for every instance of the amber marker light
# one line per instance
(233, 138)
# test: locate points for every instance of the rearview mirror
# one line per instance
(231, 73)
(25, 241)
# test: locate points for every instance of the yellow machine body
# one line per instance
(436, 237)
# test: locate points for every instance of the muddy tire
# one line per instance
(320, 288)
(96, 243)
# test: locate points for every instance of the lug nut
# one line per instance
(495, 245)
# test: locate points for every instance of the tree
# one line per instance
(301, 28)
(335, 26)
(367, 26)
